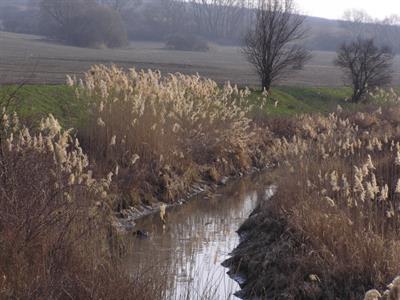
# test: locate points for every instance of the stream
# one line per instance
(186, 253)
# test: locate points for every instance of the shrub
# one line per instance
(365, 65)
(98, 27)
(186, 42)
(82, 23)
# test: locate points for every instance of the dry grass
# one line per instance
(332, 229)
(159, 135)
(331, 232)
(56, 239)
(148, 139)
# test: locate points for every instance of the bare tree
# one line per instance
(218, 18)
(175, 16)
(270, 45)
(62, 13)
(388, 32)
(365, 65)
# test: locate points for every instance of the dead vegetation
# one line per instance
(148, 139)
(332, 229)
(159, 135)
(56, 237)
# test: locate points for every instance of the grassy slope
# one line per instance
(34, 101)
(294, 100)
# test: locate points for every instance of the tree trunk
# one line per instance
(357, 95)
(266, 84)
(359, 90)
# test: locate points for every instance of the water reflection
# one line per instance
(187, 253)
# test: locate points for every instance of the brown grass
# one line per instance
(332, 229)
(149, 138)
(159, 135)
(56, 239)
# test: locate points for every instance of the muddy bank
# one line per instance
(127, 218)
(319, 237)
(274, 261)
(267, 259)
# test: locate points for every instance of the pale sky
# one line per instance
(334, 9)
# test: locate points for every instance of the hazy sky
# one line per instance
(333, 9)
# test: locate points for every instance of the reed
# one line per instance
(340, 196)
(56, 234)
(160, 134)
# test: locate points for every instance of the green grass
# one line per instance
(296, 100)
(32, 102)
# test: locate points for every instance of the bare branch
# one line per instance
(270, 43)
(365, 65)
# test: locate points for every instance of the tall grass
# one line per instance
(161, 134)
(332, 230)
(56, 239)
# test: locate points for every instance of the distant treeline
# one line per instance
(220, 21)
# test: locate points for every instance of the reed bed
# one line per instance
(332, 230)
(160, 134)
(56, 234)
(145, 139)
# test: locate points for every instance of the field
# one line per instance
(30, 58)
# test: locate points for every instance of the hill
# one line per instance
(155, 20)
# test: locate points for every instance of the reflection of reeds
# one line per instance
(211, 286)
(197, 238)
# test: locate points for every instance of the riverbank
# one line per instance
(330, 232)
(135, 193)
(126, 219)
(156, 177)
(33, 102)
(140, 139)
(187, 250)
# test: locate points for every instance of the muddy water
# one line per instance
(186, 254)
